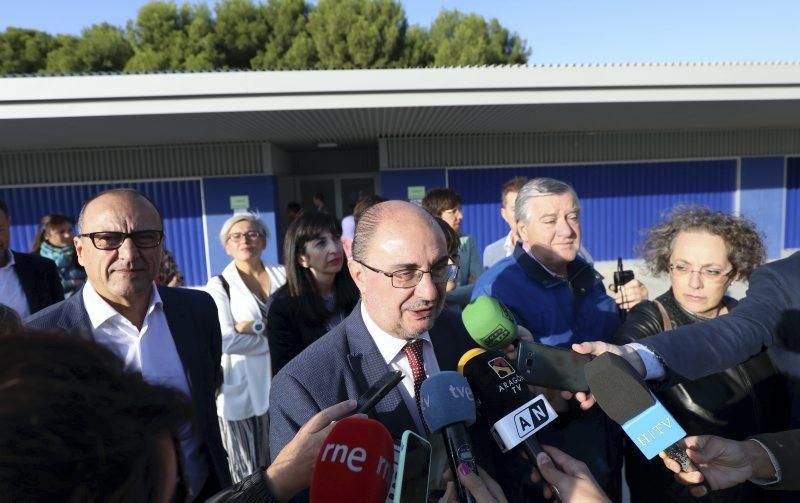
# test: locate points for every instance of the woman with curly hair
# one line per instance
(703, 252)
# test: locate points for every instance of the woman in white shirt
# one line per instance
(243, 294)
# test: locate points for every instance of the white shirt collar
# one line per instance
(553, 274)
(508, 246)
(11, 261)
(100, 311)
(388, 345)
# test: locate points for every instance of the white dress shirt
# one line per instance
(152, 352)
(391, 348)
(13, 295)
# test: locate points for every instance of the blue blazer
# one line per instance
(342, 365)
(192, 319)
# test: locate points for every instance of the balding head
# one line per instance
(397, 236)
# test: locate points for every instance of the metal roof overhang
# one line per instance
(298, 110)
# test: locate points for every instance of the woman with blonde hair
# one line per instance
(243, 294)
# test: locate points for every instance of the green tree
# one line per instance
(358, 33)
(288, 44)
(100, 48)
(23, 51)
(461, 39)
(165, 37)
(417, 50)
(241, 31)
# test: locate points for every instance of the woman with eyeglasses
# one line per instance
(319, 292)
(53, 240)
(703, 252)
(243, 294)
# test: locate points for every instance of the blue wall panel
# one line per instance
(792, 235)
(620, 201)
(395, 184)
(261, 190)
(761, 199)
(179, 202)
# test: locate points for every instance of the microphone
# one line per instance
(625, 398)
(489, 323)
(354, 464)
(504, 400)
(448, 406)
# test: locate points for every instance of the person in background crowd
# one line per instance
(319, 203)
(446, 204)
(504, 246)
(170, 335)
(348, 230)
(169, 274)
(560, 299)
(453, 246)
(292, 209)
(365, 203)
(53, 240)
(243, 294)
(10, 322)
(318, 293)
(703, 252)
(28, 282)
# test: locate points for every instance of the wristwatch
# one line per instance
(259, 326)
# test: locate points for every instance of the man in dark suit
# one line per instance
(29, 282)
(171, 336)
(400, 265)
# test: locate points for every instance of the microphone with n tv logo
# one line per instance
(448, 406)
(625, 398)
(504, 400)
(489, 323)
(354, 463)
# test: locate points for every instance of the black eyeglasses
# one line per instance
(409, 278)
(107, 240)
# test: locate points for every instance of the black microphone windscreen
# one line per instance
(619, 389)
(496, 384)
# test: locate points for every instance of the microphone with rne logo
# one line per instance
(489, 323)
(503, 398)
(354, 463)
(448, 406)
(625, 398)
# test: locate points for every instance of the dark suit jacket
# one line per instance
(192, 319)
(39, 279)
(768, 316)
(785, 445)
(344, 364)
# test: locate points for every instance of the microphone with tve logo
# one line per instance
(625, 398)
(448, 406)
(354, 464)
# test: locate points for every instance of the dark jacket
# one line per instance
(39, 279)
(289, 328)
(192, 320)
(736, 403)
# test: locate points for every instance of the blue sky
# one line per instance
(557, 31)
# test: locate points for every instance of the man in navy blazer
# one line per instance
(400, 266)
(29, 282)
(171, 336)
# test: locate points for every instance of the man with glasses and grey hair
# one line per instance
(400, 265)
(560, 298)
(170, 335)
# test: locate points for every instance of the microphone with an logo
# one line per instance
(625, 398)
(448, 406)
(503, 398)
(355, 463)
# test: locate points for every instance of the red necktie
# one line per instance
(413, 351)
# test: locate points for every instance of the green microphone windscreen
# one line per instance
(489, 323)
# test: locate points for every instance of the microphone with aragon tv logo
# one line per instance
(354, 464)
(503, 398)
(448, 406)
(625, 398)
